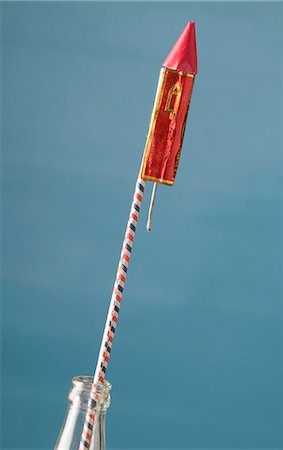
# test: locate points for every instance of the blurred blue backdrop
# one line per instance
(198, 356)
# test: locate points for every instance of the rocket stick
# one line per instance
(113, 313)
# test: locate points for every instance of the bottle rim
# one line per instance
(86, 382)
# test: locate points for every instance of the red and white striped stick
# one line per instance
(113, 314)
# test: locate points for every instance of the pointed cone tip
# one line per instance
(183, 55)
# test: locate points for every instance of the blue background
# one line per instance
(198, 356)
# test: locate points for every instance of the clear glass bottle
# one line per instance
(71, 431)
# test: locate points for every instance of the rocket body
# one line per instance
(168, 120)
(167, 126)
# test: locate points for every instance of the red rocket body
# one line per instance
(168, 120)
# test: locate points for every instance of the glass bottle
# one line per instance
(71, 431)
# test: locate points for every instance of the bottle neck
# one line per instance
(71, 432)
(81, 389)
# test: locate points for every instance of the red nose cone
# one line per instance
(183, 55)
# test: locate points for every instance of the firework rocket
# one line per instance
(168, 120)
(159, 164)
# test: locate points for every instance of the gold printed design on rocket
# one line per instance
(173, 100)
